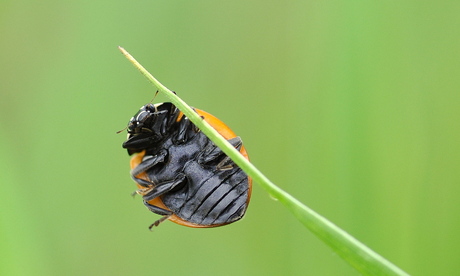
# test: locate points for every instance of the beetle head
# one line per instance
(149, 125)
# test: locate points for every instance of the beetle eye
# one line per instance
(150, 108)
(142, 116)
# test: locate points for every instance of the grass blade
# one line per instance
(358, 255)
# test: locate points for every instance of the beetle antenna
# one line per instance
(122, 130)
(154, 96)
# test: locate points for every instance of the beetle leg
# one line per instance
(160, 211)
(165, 187)
(157, 210)
(148, 162)
(137, 143)
(158, 191)
(236, 142)
(144, 183)
(152, 191)
(156, 223)
(143, 191)
(183, 127)
(227, 163)
(212, 153)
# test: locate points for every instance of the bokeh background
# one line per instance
(351, 106)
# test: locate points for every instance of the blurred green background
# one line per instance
(351, 106)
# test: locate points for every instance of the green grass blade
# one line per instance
(353, 251)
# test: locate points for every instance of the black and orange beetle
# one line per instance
(180, 173)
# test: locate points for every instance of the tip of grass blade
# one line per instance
(127, 55)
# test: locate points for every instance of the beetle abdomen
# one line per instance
(181, 174)
(211, 196)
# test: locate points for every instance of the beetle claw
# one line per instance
(143, 191)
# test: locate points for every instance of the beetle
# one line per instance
(180, 173)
